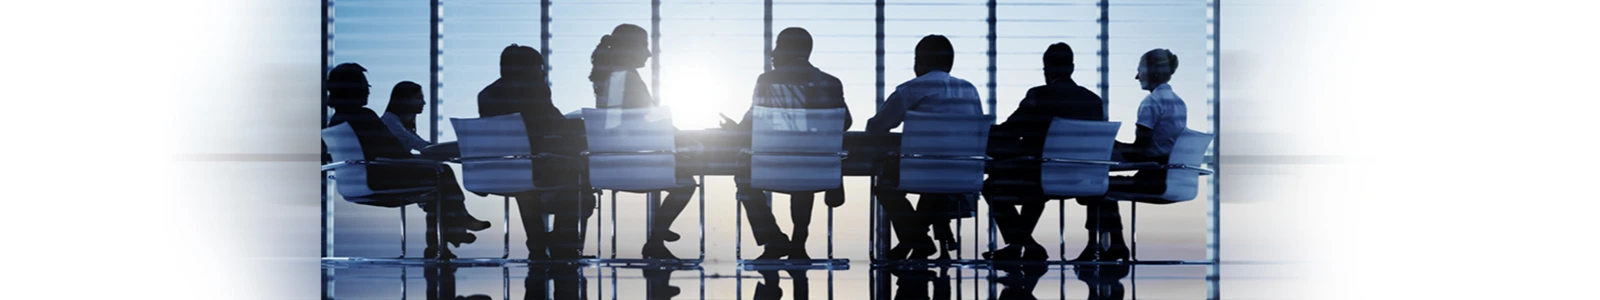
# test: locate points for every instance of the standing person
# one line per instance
(792, 83)
(615, 75)
(1024, 132)
(934, 91)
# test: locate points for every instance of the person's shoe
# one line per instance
(666, 235)
(458, 238)
(798, 253)
(656, 250)
(946, 246)
(922, 250)
(1010, 252)
(470, 223)
(565, 253)
(474, 297)
(1088, 254)
(1117, 252)
(1035, 252)
(774, 250)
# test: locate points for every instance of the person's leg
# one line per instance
(660, 230)
(571, 209)
(533, 224)
(800, 205)
(908, 226)
(763, 225)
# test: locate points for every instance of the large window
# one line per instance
(390, 39)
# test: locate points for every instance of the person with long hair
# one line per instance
(615, 74)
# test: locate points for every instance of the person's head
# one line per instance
(793, 45)
(347, 86)
(626, 47)
(1156, 68)
(406, 99)
(1058, 62)
(521, 62)
(934, 52)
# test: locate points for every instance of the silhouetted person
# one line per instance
(522, 89)
(1104, 281)
(932, 91)
(441, 282)
(1023, 135)
(792, 83)
(347, 95)
(405, 103)
(1162, 117)
(615, 76)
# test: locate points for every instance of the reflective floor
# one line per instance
(859, 281)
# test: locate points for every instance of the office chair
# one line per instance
(496, 160)
(939, 154)
(349, 168)
(794, 151)
(633, 150)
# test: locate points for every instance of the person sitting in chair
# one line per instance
(1022, 135)
(347, 95)
(1162, 117)
(792, 83)
(934, 91)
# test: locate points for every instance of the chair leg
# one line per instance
(402, 231)
(505, 228)
(613, 225)
(738, 229)
(1061, 227)
(830, 233)
(702, 192)
(1133, 251)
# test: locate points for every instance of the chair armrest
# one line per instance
(338, 164)
(1134, 166)
(947, 157)
(640, 152)
(1080, 161)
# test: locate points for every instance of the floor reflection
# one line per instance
(736, 282)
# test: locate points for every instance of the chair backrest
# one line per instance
(795, 150)
(957, 144)
(1189, 150)
(1077, 140)
(497, 136)
(631, 149)
(344, 146)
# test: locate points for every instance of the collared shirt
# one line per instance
(1166, 116)
(800, 85)
(407, 138)
(934, 92)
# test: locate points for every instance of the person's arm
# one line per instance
(835, 94)
(407, 138)
(890, 114)
(1143, 133)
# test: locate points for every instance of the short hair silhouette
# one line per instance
(1058, 59)
(935, 53)
(518, 61)
(347, 86)
(400, 98)
(1159, 64)
(793, 42)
